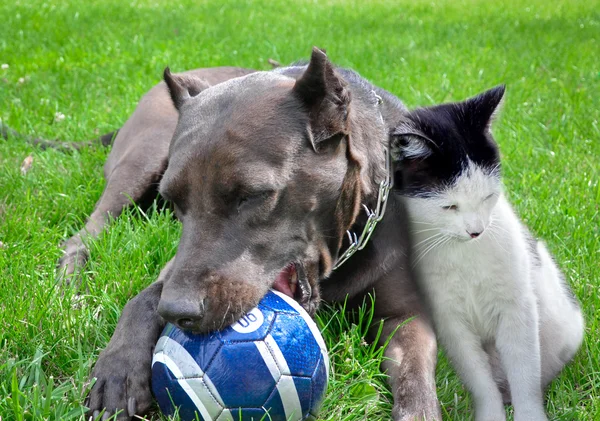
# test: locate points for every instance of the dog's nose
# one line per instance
(183, 313)
(474, 234)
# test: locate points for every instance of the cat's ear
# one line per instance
(408, 142)
(481, 110)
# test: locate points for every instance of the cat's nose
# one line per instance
(474, 234)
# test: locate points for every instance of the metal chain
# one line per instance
(373, 216)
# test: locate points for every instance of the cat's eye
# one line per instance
(450, 207)
(489, 197)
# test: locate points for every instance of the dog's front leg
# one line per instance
(411, 354)
(133, 180)
(410, 362)
(123, 369)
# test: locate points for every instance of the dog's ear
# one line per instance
(183, 87)
(327, 98)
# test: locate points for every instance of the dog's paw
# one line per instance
(122, 385)
(425, 413)
(68, 269)
(417, 404)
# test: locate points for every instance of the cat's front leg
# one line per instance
(518, 344)
(471, 362)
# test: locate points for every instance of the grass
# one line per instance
(91, 61)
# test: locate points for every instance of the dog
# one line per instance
(272, 175)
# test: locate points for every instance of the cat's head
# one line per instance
(448, 166)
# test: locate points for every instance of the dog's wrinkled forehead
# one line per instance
(248, 84)
(237, 104)
(244, 132)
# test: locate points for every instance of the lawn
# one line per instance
(74, 69)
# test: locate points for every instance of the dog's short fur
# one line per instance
(267, 171)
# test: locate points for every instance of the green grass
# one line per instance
(92, 60)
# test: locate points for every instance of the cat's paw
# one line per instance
(531, 414)
(490, 413)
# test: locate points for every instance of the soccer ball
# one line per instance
(270, 365)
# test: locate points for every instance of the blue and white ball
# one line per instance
(270, 365)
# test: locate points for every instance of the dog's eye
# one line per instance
(450, 207)
(489, 197)
(253, 199)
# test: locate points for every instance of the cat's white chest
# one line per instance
(469, 292)
(471, 282)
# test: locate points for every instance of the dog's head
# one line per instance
(265, 182)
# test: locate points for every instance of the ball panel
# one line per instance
(203, 348)
(171, 392)
(196, 384)
(268, 359)
(162, 382)
(253, 326)
(239, 368)
(249, 414)
(299, 349)
(289, 398)
(291, 401)
(319, 385)
(303, 388)
(186, 408)
(276, 301)
(213, 390)
(225, 416)
(278, 357)
(274, 407)
(207, 399)
(311, 325)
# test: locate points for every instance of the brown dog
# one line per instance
(267, 172)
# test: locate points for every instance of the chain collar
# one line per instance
(373, 216)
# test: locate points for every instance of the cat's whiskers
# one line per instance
(421, 222)
(437, 243)
(500, 229)
(494, 168)
(415, 246)
(424, 230)
(422, 245)
(492, 234)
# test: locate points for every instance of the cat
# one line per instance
(500, 305)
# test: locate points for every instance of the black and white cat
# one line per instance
(500, 305)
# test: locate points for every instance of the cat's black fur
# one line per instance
(449, 135)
